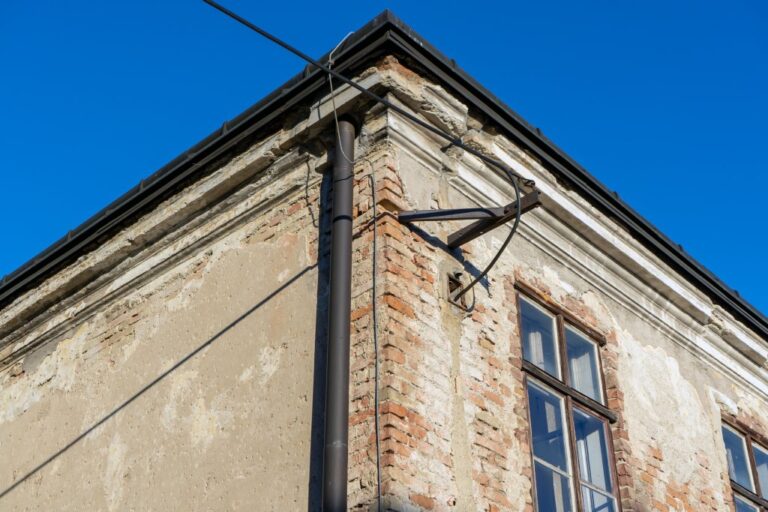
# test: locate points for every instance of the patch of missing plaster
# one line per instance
(550, 275)
(206, 423)
(269, 360)
(55, 467)
(658, 417)
(115, 472)
(587, 306)
(56, 371)
(191, 284)
(753, 409)
(282, 276)
(723, 402)
(182, 284)
(129, 348)
(181, 387)
(180, 301)
(604, 319)
(188, 412)
(247, 374)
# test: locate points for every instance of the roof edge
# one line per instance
(356, 47)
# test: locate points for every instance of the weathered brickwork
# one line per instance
(188, 374)
(473, 452)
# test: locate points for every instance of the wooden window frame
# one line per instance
(751, 438)
(572, 398)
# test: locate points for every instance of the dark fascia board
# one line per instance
(385, 33)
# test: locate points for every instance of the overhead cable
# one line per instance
(453, 141)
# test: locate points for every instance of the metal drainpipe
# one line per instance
(337, 378)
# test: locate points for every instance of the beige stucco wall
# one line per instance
(183, 378)
(210, 434)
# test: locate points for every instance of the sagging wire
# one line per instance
(455, 297)
(376, 378)
(333, 98)
(453, 141)
(375, 328)
(513, 177)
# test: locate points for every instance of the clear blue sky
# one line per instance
(665, 102)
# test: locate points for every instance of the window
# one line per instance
(748, 469)
(570, 440)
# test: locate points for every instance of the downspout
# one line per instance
(337, 378)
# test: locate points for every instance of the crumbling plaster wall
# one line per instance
(455, 420)
(112, 400)
(190, 390)
(188, 372)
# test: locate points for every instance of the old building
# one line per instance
(170, 353)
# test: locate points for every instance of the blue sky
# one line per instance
(665, 102)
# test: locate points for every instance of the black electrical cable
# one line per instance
(512, 231)
(514, 178)
(454, 141)
(376, 418)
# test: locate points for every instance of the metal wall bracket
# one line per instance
(487, 218)
(454, 284)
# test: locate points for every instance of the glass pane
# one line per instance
(743, 505)
(553, 490)
(596, 502)
(592, 450)
(761, 463)
(582, 364)
(538, 333)
(547, 432)
(736, 453)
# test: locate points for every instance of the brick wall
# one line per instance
(453, 405)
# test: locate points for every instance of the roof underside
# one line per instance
(384, 34)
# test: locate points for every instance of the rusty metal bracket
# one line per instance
(487, 219)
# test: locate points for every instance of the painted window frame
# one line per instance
(572, 398)
(751, 439)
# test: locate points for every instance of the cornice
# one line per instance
(567, 221)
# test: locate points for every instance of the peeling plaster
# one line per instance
(269, 360)
(180, 391)
(206, 423)
(659, 409)
(57, 372)
(115, 472)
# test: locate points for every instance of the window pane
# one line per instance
(582, 365)
(736, 453)
(547, 432)
(743, 505)
(596, 502)
(761, 463)
(592, 450)
(537, 330)
(553, 491)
